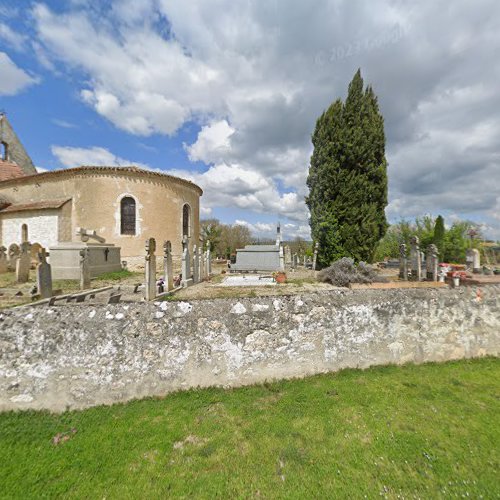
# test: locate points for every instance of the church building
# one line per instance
(124, 205)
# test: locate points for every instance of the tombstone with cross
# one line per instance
(43, 275)
(150, 269)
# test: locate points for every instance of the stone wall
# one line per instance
(78, 356)
(16, 151)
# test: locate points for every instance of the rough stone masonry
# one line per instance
(76, 356)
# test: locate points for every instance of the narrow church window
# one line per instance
(186, 220)
(127, 212)
(4, 150)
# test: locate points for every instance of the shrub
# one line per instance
(343, 272)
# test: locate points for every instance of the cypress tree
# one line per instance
(348, 177)
(439, 231)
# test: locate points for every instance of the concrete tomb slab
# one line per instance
(248, 280)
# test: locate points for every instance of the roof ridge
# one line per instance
(83, 168)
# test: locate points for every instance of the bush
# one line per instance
(343, 272)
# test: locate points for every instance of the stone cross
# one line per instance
(403, 263)
(168, 269)
(201, 261)
(295, 261)
(23, 263)
(43, 275)
(315, 255)
(415, 258)
(86, 234)
(196, 265)
(431, 263)
(150, 269)
(288, 256)
(186, 263)
(208, 260)
(3, 260)
(84, 269)
(473, 259)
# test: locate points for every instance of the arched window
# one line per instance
(186, 220)
(127, 215)
(24, 233)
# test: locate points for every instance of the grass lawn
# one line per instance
(401, 432)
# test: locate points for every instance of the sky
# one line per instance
(227, 94)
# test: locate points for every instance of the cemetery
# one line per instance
(148, 352)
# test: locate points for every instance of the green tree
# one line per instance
(439, 232)
(211, 230)
(348, 177)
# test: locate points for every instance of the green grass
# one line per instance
(425, 431)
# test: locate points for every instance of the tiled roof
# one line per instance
(102, 169)
(10, 170)
(40, 205)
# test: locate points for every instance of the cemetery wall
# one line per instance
(76, 356)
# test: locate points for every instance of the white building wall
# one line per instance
(42, 229)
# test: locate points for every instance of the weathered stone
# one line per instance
(23, 263)
(84, 269)
(168, 269)
(4, 264)
(415, 258)
(150, 269)
(431, 262)
(473, 259)
(196, 265)
(110, 353)
(44, 275)
(187, 278)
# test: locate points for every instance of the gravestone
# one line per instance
(208, 260)
(44, 275)
(168, 269)
(473, 259)
(415, 258)
(431, 262)
(201, 261)
(84, 269)
(403, 263)
(295, 261)
(13, 254)
(288, 257)
(196, 265)
(23, 263)
(150, 269)
(315, 255)
(187, 279)
(4, 265)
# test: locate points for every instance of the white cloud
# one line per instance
(15, 40)
(235, 186)
(94, 156)
(256, 75)
(13, 79)
(212, 144)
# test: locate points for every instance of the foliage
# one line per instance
(410, 431)
(452, 243)
(439, 232)
(348, 177)
(211, 230)
(224, 238)
(344, 271)
(299, 246)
